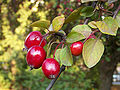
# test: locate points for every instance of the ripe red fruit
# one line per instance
(50, 68)
(35, 56)
(34, 38)
(76, 48)
(71, 9)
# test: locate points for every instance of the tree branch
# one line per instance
(86, 20)
(53, 81)
(63, 67)
(116, 12)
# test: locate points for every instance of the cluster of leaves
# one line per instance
(93, 48)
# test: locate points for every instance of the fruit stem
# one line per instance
(54, 80)
(62, 45)
(100, 34)
(25, 49)
(116, 12)
(43, 38)
(90, 35)
(56, 48)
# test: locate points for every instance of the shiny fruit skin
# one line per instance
(51, 68)
(34, 38)
(76, 48)
(35, 56)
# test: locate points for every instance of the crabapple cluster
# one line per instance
(36, 55)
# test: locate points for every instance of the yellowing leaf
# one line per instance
(84, 1)
(57, 55)
(74, 36)
(41, 24)
(92, 24)
(92, 51)
(85, 30)
(108, 26)
(58, 22)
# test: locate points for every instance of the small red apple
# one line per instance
(76, 48)
(34, 38)
(51, 68)
(35, 56)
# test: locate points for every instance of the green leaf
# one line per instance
(107, 59)
(74, 15)
(108, 26)
(58, 22)
(118, 19)
(84, 1)
(66, 56)
(92, 24)
(41, 24)
(57, 55)
(92, 51)
(74, 36)
(61, 31)
(87, 11)
(85, 30)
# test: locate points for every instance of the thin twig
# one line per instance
(100, 34)
(86, 20)
(56, 48)
(63, 67)
(90, 35)
(43, 38)
(116, 12)
(53, 81)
